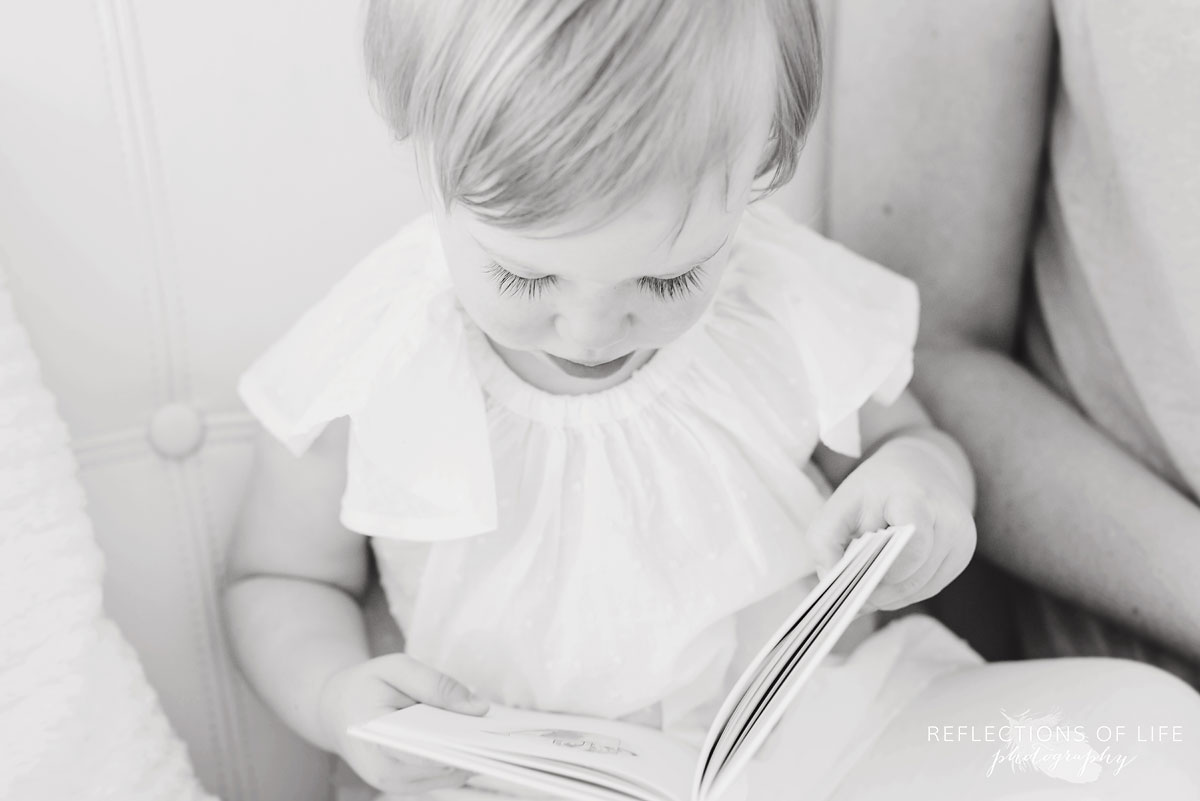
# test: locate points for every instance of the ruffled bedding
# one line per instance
(78, 719)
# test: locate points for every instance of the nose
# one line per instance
(593, 328)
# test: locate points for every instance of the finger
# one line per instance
(957, 533)
(411, 780)
(391, 761)
(425, 685)
(917, 588)
(910, 510)
(961, 551)
(836, 523)
(869, 607)
(450, 778)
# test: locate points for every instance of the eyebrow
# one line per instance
(690, 265)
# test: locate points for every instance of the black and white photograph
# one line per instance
(600, 400)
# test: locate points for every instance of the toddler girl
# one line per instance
(590, 409)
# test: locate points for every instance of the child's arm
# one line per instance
(910, 473)
(292, 604)
(294, 577)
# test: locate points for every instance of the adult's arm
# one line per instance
(938, 119)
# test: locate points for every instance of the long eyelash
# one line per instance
(673, 288)
(511, 284)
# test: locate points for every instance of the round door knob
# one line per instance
(176, 430)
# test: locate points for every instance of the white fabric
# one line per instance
(77, 718)
(1116, 254)
(588, 553)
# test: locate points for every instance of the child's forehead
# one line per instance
(668, 230)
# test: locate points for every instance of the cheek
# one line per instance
(669, 319)
(511, 321)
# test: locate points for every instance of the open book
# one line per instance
(593, 759)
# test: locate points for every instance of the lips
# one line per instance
(582, 370)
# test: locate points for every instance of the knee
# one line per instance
(1143, 713)
(1143, 689)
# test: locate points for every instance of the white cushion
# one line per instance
(79, 719)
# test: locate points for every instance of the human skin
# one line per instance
(960, 87)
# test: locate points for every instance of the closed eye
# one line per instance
(512, 284)
(674, 288)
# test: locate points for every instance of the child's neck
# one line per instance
(539, 370)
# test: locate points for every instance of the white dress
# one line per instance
(602, 553)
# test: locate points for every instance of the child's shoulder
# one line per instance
(404, 258)
(795, 271)
(772, 241)
(851, 323)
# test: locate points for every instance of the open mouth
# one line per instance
(583, 370)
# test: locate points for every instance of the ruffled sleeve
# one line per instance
(853, 322)
(386, 347)
(322, 367)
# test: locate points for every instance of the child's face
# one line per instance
(575, 313)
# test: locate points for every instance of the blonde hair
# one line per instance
(526, 110)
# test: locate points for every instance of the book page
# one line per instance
(628, 760)
(594, 759)
(761, 694)
(781, 665)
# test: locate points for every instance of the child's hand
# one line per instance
(908, 480)
(366, 691)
